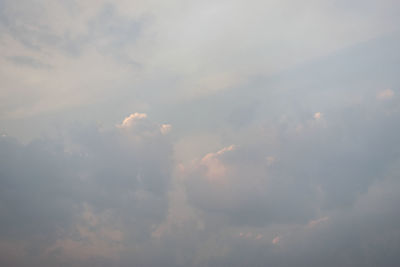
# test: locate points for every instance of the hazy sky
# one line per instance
(199, 133)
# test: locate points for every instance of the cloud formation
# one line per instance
(199, 133)
(77, 200)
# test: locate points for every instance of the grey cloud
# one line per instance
(314, 164)
(31, 177)
(317, 163)
(365, 233)
(106, 30)
(242, 187)
(93, 186)
(28, 61)
(311, 178)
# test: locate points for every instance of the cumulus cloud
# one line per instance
(298, 88)
(132, 119)
(241, 187)
(138, 126)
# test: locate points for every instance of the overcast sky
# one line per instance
(199, 133)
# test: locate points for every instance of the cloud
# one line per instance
(314, 223)
(139, 126)
(165, 128)
(317, 115)
(75, 199)
(215, 168)
(127, 51)
(28, 61)
(385, 94)
(310, 181)
(241, 187)
(132, 119)
(94, 236)
(276, 240)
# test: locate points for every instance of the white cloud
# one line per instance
(132, 119)
(165, 128)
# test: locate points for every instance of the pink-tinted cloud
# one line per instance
(316, 222)
(276, 240)
(132, 119)
(385, 94)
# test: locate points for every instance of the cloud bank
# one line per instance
(187, 133)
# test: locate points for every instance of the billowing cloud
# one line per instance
(243, 187)
(132, 119)
(199, 133)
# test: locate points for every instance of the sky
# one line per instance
(199, 133)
